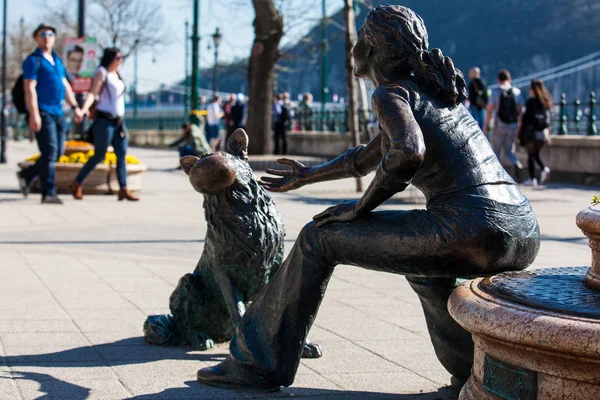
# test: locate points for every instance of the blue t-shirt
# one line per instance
(50, 86)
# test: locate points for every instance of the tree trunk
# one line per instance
(268, 29)
(351, 92)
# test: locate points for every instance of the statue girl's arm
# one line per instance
(395, 169)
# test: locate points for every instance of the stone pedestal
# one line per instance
(536, 335)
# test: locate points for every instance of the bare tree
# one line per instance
(351, 92)
(20, 46)
(268, 29)
(129, 24)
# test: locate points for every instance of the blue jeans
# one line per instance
(478, 114)
(503, 141)
(107, 132)
(212, 132)
(51, 142)
(187, 150)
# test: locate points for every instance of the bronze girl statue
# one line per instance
(476, 223)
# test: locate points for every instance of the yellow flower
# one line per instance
(34, 157)
(76, 143)
(595, 200)
(81, 158)
(78, 158)
(131, 159)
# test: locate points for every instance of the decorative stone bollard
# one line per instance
(536, 333)
(588, 221)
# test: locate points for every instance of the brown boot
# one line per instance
(126, 194)
(76, 190)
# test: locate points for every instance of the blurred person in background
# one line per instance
(506, 107)
(214, 114)
(108, 93)
(227, 118)
(45, 87)
(478, 96)
(280, 117)
(238, 112)
(305, 111)
(535, 130)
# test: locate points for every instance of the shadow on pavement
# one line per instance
(135, 351)
(51, 387)
(197, 390)
(122, 352)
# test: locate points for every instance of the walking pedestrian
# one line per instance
(506, 107)
(45, 87)
(109, 89)
(280, 117)
(227, 118)
(214, 114)
(535, 130)
(478, 96)
(238, 112)
(306, 112)
(290, 112)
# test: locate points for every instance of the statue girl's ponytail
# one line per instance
(401, 40)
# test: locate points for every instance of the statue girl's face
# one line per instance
(362, 53)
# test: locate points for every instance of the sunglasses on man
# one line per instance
(47, 34)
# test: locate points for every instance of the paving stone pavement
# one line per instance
(77, 282)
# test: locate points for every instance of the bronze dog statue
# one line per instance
(242, 251)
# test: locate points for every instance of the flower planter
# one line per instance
(82, 149)
(102, 180)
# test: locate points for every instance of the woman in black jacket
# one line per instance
(536, 129)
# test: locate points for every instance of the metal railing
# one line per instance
(154, 123)
(568, 118)
(329, 121)
(575, 117)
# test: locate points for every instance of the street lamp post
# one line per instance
(324, 89)
(195, 44)
(3, 116)
(135, 78)
(216, 41)
(186, 84)
(81, 19)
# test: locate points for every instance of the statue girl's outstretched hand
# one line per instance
(289, 179)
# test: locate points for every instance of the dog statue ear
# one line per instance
(187, 163)
(238, 144)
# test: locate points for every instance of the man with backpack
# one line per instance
(478, 96)
(40, 93)
(506, 104)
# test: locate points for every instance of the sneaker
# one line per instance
(51, 200)
(24, 185)
(544, 175)
(530, 182)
